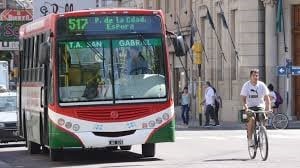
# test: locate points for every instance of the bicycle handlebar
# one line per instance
(259, 111)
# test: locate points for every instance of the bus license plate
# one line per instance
(116, 142)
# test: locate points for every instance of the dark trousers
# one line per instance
(217, 115)
(185, 113)
(209, 112)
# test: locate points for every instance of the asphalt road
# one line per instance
(192, 149)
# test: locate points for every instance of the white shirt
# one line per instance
(209, 96)
(255, 94)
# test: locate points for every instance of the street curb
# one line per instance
(3, 164)
(228, 126)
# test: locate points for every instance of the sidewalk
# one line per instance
(194, 124)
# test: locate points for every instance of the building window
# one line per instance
(168, 7)
(109, 3)
(233, 54)
(203, 37)
(2, 4)
(97, 4)
(183, 4)
(158, 4)
(150, 4)
(220, 57)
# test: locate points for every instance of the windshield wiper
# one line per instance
(98, 54)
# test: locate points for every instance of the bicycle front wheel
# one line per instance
(252, 149)
(280, 121)
(263, 143)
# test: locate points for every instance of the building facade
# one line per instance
(249, 39)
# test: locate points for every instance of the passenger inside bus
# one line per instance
(136, 62)
(84, 74)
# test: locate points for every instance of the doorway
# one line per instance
(296, 59)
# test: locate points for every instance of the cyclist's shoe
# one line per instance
(251, 143)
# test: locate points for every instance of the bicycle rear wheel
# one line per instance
(252, 149)
(280, 121)
(263, 143)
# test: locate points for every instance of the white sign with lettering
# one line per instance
(9, 45)
(45, 7)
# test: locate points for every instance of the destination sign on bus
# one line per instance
(136, 43)
(88, 44)
(110, 24)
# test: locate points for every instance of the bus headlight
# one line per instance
(61, 121)
(151, 123)
(166, 116)
(76, 127)
(159, 120)
(68, 125)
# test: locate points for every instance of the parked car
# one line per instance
(8, 117)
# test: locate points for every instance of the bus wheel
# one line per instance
(128, 147)
(56, 154)
(33, 147)
(148, 150)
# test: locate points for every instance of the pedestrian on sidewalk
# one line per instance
(185, 105)
(209, 100)
(218, 105)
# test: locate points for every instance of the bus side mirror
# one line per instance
(179, 46)
(44, 53)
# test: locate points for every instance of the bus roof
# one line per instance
(46, 23)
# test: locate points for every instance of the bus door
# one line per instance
(46, 88)
(20, 73)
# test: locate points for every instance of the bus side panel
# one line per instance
(33, 111)
(164, 134)
(33, 126)
(59, 138)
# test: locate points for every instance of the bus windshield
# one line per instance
(107, 70)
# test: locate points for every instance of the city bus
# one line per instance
(81, 86)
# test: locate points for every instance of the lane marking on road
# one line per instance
(183, 138)
(202, 137)
(232, 137)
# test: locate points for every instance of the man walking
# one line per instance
(209, 101)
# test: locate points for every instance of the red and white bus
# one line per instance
(95, 79)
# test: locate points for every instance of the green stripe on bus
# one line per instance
(58, 138)
(136, 42)
(164, 134)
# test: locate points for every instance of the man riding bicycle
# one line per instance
(255, 96)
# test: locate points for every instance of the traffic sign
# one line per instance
(295, 70)
(281, 70)
(289, 65)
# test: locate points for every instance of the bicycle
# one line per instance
(278, 120)
(259, 136)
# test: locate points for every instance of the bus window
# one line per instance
(83, 64)
(141, 67)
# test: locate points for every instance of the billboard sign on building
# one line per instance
(45, 7)
(10, 22)
(16, 15)
(9, 30)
